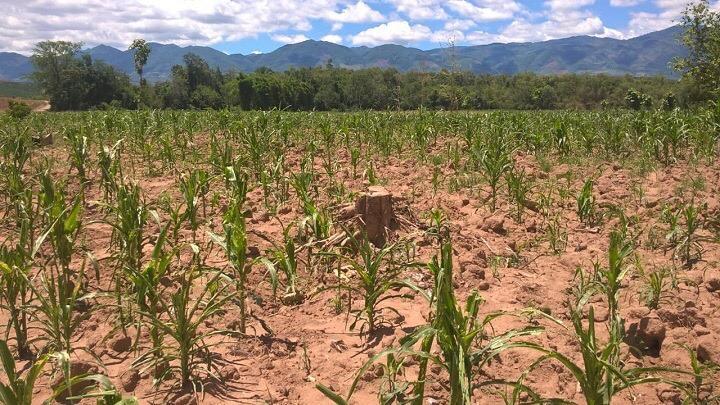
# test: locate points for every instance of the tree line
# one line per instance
(73, 81)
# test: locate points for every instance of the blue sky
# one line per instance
(242, 26)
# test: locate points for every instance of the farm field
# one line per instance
(372, 257)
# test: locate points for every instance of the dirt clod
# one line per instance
(120, 344)
(130, 380)
(649, 334)
(707, 348)
(495, 224)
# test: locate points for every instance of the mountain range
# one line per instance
(649, 54)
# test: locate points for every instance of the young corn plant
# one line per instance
(18, 390)
(556, 236)
(180, 320)
(79, 151)
(238, 182)
(462, 336)
(656, 288)
(147, 289)
(586, 207)
(519, 187)
(235, 245)
(688, 247)
(602, 374)
(59, 288)
(110, 169)
(194, 187)
(378, 274)
(128, 239)
(495, 162)
(283, 259)
(701, 390)
(16, 294)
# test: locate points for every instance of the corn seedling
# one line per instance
(519, 186)
(235, 245)
(179, 320)
(18, 390)
(284, 259)
(656, 288)
(495, 162)
(15, 293)
(586, 209)
(378, 274)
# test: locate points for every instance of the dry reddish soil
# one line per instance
(510, 263)
(36, 105)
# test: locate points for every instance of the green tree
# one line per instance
(57, 72)
(702, 38)
(140, 56)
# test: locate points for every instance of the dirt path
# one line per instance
(44, 106)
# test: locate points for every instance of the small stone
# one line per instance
(475, 270)
(531, 227)
(580, 247)
(465, 202)
(712, 284)
(120, 344)
(230, 373)
(652, 202)
(187, 399)
(700, 330)
(484, 286)
(253, 251)
(495, 224)
(129, 380)
(669, 396)
(638, 312)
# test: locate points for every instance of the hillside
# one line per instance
(649, 54)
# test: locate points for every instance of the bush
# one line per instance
(18, 109)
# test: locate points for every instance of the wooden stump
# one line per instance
(376, 212)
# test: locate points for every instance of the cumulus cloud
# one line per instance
(289, 39)
(488, 10)
(420, 9)
(625, 3)
(208, 22)
(394, 32)
(356, 13)
(462, 25)
(183, 22)
(562, 18)
(336, 39)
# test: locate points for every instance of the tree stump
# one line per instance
(376, 212)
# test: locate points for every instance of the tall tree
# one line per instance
(140, 57)
(56, 71)
(702, 38)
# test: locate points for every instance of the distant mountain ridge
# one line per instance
(649, 54)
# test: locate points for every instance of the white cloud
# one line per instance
(420, 9)
(568, 4)
(289, 39)
(625, 3)
(395, 32)
(336, 39)
(356, 13)
(182, 22)
(488, 10)
(461, 25)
